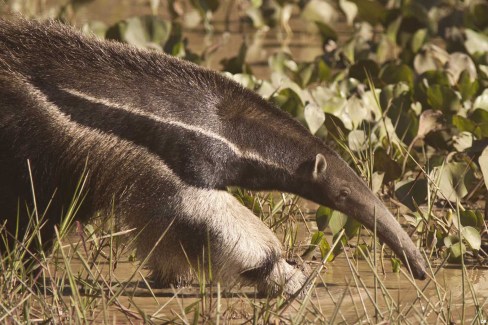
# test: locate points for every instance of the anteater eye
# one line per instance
(344, 193)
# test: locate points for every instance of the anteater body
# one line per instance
(160, 140)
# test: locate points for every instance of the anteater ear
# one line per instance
(320, 165)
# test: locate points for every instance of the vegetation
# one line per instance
(403, 95)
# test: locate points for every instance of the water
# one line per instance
(346, 282)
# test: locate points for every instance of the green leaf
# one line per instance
(282, 62)
(351, 228)
(335, 127)
(337, 221)
(350, 9)
(430, 58)
(306, 72)
(130, 31)
(457, 250)
(479, 14)
(439, 140)
(357, 140)
(245, 79)
(394, 92)
(475, 42)
(450, 240)
(319, 240)
(95, 27)
(458, 63)
(326, 32)
(314, 243)
(364, 68)
(480, 118)
(338, 248)
(416, 16)
(329, 101)
(236, 64)
(477, 123)
(256, 17)
(471, 218)
(418, 39)
(358, 110)
(472, 236)
(256, 3)
(383, 163)
(429, 121)
(463, 124)
(393, 73)
(372, 11)
(482, 101)
(396, 264)
(204, 6)
(289, 101)
(483, 161)
(413, 219)
(450, 178)
(386, 50)
(376, 181)
(319, 11)
(316, 238)
(467, 87)
(435, 77)
(443, 98)
(324, 247)
(141, 31)
(397, 102)
(412, 193)
(159, 30)
(314, 117)
(462, 141)
(392, 29)
(323, 70)
(322, 216)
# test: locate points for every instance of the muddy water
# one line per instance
(345, 288)
(346, 291)
(338, 291)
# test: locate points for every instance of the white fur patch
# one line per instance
(245, 240)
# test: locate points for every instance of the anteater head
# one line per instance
(304, 165)
(337, 186)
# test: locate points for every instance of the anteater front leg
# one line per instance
(242, 248)
(211, 225)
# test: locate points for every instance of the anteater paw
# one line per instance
(284, 279)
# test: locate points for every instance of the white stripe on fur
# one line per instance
(233, 147)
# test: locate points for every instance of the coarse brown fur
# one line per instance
(161, 140)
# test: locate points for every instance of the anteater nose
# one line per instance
(420, 275)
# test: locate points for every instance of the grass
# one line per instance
(89, 277)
